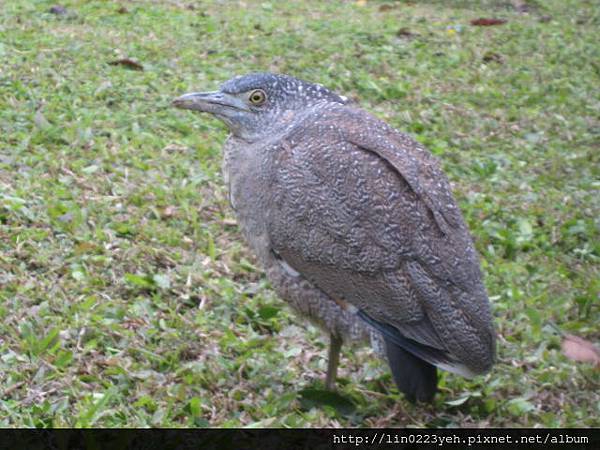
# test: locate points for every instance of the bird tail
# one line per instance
(416, 378)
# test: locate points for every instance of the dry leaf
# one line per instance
(128, 63)
(174, 148)
(406, 33)
(59, 10)
(578, 349)
(169, 211)
(386, 7)
(487, 22)
(492, 57)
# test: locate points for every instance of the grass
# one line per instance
(127, 297)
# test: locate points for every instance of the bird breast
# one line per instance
(246, 182)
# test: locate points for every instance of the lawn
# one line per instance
(127, 297)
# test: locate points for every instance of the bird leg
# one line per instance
(335, 345)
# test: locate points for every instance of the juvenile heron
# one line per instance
(355, 225)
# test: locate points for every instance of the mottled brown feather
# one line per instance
(366, 214)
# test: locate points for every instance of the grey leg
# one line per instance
(335, 345)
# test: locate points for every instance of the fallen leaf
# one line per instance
(128, 63)
(458, 401)
(487, 22)
(406, 33)
(492, 57)
(59, 10)
(384, 8)
(169, 211)
(578, 349)
(173, 148)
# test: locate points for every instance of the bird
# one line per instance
(356, 227)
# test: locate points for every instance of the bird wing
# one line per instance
(366, 214)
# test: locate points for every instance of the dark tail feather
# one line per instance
(416, 378)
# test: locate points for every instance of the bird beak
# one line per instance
(210, 102)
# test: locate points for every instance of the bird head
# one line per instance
(258, 104)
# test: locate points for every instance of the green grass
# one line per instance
(127, 297)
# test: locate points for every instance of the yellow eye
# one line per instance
(257, 97)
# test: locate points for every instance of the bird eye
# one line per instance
(257, 97)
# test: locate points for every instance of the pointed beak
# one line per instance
(211, 102)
